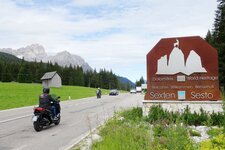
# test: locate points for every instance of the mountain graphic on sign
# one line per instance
(176, 62)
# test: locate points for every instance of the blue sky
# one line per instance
(111, 34)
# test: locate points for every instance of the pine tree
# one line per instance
(127, 87)
(21, 77)
(65, 76)
(79, 76)
(71, 76)
(219, 38)
(37, 76)
(141, 81)
(24, 75)
(6, 74)
(1, 68)
(95, 80)
(87, 78)
(219, 23)
(14, 71)
(209, 38)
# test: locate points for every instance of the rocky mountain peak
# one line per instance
(64, 54)
(33, 52)
(65, 58)
(36, 48)
(36, 52)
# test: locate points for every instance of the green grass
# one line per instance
(13, 95)
(124, 134)
(214, 131)
(123, 137)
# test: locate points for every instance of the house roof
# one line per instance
(48, 75)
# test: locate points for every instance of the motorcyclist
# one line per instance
(99, 93)
(45, 101)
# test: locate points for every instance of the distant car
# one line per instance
(133, 91)
(113, 92)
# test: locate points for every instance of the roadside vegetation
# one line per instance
(129, 130)
(13, 95)
(126, 130)
(162, 129)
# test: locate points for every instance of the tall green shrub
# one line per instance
(135, 114)
(172, 137)
(223, 96)
(158, 114)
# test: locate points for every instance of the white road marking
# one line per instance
(16, 118)
(15, 109)
(21, 147)
(20, 117)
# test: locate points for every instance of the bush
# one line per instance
(203, 117)
(214, 132)
(157, 114)
(217, 119)
(219, 141)
(223, 97)
(194, 118)
(186, 115)
(216, 143)
(158, 130)
(135, 114)
(173, 137)
(194, 133)
(206, 145)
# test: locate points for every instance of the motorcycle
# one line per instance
(98, 94)
(43, 117)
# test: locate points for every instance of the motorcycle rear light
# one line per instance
(39, 109)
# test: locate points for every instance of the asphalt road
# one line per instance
(78, 118)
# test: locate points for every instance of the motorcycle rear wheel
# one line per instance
(37, 126)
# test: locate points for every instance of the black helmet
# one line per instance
(46, 90)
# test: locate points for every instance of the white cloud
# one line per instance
(113, 34)
(91, 3)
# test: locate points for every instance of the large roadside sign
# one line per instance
(182, 68)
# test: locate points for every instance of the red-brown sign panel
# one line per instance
(182, 68)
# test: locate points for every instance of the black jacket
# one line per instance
(45, 101)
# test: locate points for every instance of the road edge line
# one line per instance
(82, 137)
